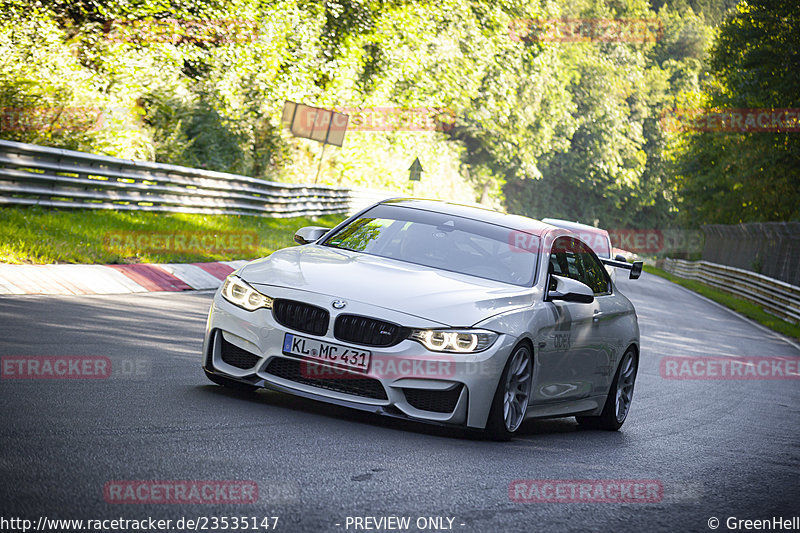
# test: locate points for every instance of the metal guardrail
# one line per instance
(37, 175)
(775, 296)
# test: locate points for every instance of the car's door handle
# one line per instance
(597, 316)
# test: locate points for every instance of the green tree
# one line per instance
(611, 166)
(732, 177)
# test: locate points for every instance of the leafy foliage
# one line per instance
(748, 176)
(544, 128)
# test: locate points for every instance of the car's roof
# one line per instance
(575, 226)
(516, 222)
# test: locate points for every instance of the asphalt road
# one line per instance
(719, 448)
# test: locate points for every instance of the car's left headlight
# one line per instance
(239, 293)
(454, 340)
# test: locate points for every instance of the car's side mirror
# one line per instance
(309, 234)
(636, 269)
(620, 257)
(569, 290)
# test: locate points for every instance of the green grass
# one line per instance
(748, 309)
(40, 235)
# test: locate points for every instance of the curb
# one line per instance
(113, 279)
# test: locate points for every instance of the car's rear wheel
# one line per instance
(230, 383)
(512, 396)
(620, 397)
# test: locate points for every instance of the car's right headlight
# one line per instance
(239, 293)
(454, 340)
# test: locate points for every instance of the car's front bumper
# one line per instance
(404, 380)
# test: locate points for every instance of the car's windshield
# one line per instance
(440, 241)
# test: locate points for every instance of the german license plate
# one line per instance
(325, 351)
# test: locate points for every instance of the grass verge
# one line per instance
(40, 235)
(743, 307)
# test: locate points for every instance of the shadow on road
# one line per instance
(542, 428)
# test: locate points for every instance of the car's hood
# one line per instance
(445, 297)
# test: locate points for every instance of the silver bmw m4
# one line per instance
(435, 312)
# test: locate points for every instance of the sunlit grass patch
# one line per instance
(41, 235)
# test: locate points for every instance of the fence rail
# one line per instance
(769, 248)
(775, 296)
(52, 177)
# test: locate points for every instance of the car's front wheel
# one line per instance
(512, 396)
(620, 397)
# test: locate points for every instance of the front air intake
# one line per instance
(235, 356)
(308, 373)
(437, 401)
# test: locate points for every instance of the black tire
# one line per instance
(230, 383)
(496, 428)
(609, 419)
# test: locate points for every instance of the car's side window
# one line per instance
(571, 258)
(594, 274)
(558, 258)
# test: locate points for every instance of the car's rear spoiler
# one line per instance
(635, 267)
